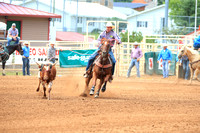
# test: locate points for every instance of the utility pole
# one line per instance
(195, 27)
(53, 11)
(166, 12)
(63, 17)
(77, 17)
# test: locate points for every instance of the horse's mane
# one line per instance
(191, 50)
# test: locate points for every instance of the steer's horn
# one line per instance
(38, 64)
(54, 64)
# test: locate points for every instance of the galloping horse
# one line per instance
(101, 69)
(194, 59)
(8, 50)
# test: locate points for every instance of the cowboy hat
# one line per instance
(26, 42)
(52, 42)
(164, 45)
(109, 24)
(135, 43)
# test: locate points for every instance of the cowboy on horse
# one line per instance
(111, 35)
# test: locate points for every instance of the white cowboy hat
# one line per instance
(135, 43)
(109, 24)
(52, 42)
(26, 42)
(13, 24)
(165, 45)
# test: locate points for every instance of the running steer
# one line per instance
(46, 76)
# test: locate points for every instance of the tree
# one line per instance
(160, 2)
(182, 8)
(134, 37)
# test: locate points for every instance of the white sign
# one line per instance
(36, 55)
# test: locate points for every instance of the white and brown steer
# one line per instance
(46, 76)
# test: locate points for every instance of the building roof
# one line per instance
(128, 5)
(70, 36)
(86, 9)
(125, 10)
(15, 10)
(139, 1)
(146, 11)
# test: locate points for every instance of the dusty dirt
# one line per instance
(148, 104)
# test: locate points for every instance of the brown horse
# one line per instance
(100, 69)
(194, 59)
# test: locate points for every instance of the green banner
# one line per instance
(74, 58)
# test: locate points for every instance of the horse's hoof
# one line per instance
(37, 90)
(44, 97)
(83, 95)
(91, 92)
(96, 96)
(103, 89)
(3, 74)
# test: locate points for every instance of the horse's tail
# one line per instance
(4, 57)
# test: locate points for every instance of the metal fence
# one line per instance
(122, 52)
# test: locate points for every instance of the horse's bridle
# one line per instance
(20, 50)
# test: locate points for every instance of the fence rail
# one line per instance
(122, 52)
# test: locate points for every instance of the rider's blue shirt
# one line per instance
(26, 51)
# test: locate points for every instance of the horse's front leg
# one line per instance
(196, 74)
(103, 89)
(94, 84)
(87, 81)
(99, 87)
(3, 66)
(191, 75)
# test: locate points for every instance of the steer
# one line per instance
(46, 76)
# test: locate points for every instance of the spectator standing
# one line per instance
(166, 56)
(136, 54)
(25, 59)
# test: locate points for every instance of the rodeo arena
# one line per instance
(80, 66)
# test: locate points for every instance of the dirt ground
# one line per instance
(149, 104)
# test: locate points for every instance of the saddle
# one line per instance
(96, 62)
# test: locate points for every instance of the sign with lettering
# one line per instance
(36, 55)
(74, 58)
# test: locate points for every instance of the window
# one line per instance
(91, 23)
(57, 19)
(79, 20)
(142, 24)
(106, 2)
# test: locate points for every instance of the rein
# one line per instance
(194, 62)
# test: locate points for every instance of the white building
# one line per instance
(86, 11)
(149, 21)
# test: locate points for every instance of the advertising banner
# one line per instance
(74, 58)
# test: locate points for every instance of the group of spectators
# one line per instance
(13, 36)
(136, 53)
